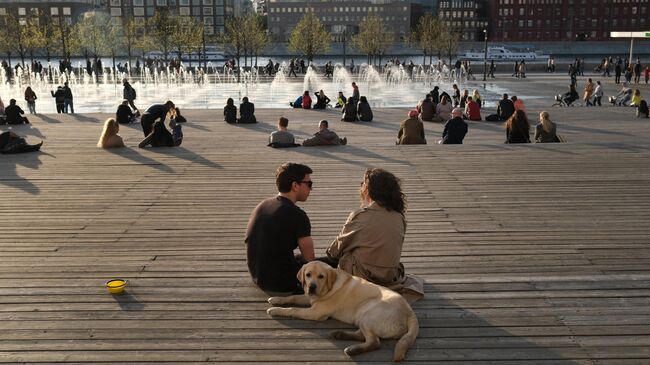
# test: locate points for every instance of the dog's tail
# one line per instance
(408, 339)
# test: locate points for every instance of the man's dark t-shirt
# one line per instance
(272, 235)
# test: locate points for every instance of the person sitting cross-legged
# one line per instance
(324, 137)
(282, 137)
(455, 128)
(246, 111)
(14, 114)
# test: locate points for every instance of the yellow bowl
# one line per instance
(116, 286)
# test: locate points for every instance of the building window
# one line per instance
(161, 2)
(116, 12)
(184, 11)
(115, 3)
(207, 11)
(54, 11)
(208, 20)
(138, 11)
(208, 2)
(138, 2)
(66, 11)
(22, 11)
(184, 3)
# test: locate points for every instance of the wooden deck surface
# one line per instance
(535, 254)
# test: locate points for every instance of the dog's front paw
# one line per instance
(277, 301)
(351, 351)
(274, 311)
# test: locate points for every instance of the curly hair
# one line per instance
(384, 188)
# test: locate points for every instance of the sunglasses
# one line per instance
(309, 183)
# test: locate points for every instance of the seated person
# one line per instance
(178, 118)
(246, 111)
(642, 109)
(517, 128)
(370, 243)
(109, 137)
(472, 109)
(324, 137)
(10, 142)
(636, 98)
(411, 130)
(341, 100)
(518, 103)
(545, 131)
(276, 228)
(426, 108)
(350, 111)
(230, 112)
(505, 107)
(570, 96)
(443, 109)
(282, 138)
(296, 104)
(455, 129)
(161, 137)
(14, 114)
(124, 114)
(321, 100)
(364, 112)
(306, 100)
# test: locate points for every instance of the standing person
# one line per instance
(637, 71)
(30, 97)
(517, 128)
(515, 72)
(59, 99)
(617, 73)
(598, 94)
(68, 99)
(492, 68)
(129, 94)
(370, 243)
(156, 111)
(355, 93)
(276, 227)
(411, 130)
(292, 68)
(455, 128)
(588, 92)
(646, 74)
(352, 66)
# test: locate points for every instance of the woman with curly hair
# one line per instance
(370, 243)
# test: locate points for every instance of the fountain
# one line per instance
(392, 86)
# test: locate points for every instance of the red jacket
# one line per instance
(306, 102)
(473, 111)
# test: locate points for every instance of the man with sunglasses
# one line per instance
(276, 228)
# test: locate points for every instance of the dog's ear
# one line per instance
(301, 275)
(331, 278)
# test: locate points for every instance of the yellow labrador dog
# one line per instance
(377, 311)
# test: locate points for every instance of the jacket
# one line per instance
(349, 113)
(426, 109)
(473, 111)
(364, 112)
(411, 131)
(247, 113)
(455, 131)
(324, 137)
(370, 247)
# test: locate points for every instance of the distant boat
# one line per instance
(504, 54)
(209, 56)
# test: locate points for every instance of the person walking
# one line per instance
(129, 94)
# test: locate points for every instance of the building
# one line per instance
(469, 17)
(565, 20)
(341, 18)
(66, 10)
(211, 12)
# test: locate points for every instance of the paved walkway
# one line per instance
(534, 254)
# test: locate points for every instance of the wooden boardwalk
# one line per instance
(536, 254)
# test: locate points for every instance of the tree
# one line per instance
(98, 33)
(188, 35)
(449, 42)
(144, 42)
(374, 39)
(67, 41)
(233, 38)
(256, 37)
(14, 38)
(131, 32)
(162, 27)
(426, 35)
(309, 37)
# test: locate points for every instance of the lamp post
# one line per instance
(485, 55)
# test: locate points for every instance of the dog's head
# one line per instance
(317, 278)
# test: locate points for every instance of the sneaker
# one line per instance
(344, 141)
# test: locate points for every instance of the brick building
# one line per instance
(66, 10)
(341, 17)
(565, 20)
(469, 17)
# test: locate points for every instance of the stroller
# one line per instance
(561, 101)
